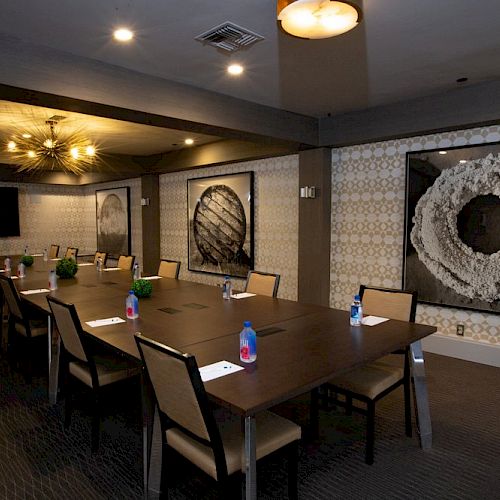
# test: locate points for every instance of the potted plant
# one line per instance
(142, 288)
(66, 268)
(27, 260)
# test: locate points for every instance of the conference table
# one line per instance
(299, 346)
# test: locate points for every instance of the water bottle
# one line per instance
(45, 255)
(6, 264)
(99, 264)
(52, 280)
(226, 288)
(21, 270)
(137, 272)
(132, 305)
(248, 343)
(26, 250)
(356, 311)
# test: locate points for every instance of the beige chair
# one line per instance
(262, 283)
(80, 362)
(71, 253)
(101, 255)
(210, 438)
(54, 251)
(373, 381)
(169, 268)
(24, 325)
(126, 262)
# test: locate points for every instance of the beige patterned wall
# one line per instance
(66, 216)
(368, 203)
(276, 219)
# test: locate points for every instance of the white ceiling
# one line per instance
(403, 49)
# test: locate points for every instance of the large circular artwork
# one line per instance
(435, 234)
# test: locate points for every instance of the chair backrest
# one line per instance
(71, 253)
(126, 262)
(102, 255)
(389, 303)
(169, 268)
(53, 251)
(11, 297)
(180, 394)
(69, 327)
(262, 283)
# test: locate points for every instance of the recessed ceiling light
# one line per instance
(189, 141)
(27, 136)
(235, 69)
(123, 35)
(462, 161)
(442, 152)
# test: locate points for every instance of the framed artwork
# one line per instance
(220, 224)
(113, 221)
(452, 236)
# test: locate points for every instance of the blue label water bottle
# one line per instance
(356, 311)
(132, 305)
(248, 343)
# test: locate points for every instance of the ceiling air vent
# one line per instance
(229, 37)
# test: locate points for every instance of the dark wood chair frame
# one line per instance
(71, 248)
(69, 380)
(215, 443)
(15, 340)
(106, 255)
(132, 263)
(276, 282)
(328, 395)
(178, 262)
(56, 252)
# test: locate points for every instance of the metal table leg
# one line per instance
(250, 459)
(421, 398)
(54, 349)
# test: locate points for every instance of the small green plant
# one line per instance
(27, 260)
(142, 288)
(66, 268)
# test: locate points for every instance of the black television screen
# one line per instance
(9, 208)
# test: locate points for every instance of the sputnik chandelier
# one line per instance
(49, 147)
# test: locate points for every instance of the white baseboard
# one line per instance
(487, 354)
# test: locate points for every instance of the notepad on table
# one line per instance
(243, 295)
(105, 322)
(373, 320)
(219, 369)
(37, 254)
(37, 290)
(112, 269)
(86, 264)
(151, 278)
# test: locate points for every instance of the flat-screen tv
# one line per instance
(9, 208)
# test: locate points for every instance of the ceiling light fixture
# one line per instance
(443, 152)
(317, 19)
(189, 141)
(48, 148)
(123, 35)
(235, 69)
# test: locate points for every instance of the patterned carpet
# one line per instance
(39, 460)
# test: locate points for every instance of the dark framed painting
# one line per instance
(220, 224)
(113, 221)
(452, 229)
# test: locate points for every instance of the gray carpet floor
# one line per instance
(40, 460)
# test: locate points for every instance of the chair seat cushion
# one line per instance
(110, 369)
(369, 380)
(37, 326)
(273, 432)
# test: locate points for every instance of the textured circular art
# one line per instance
(219, 225)
(435, 235)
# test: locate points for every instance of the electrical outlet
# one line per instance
(460, 330)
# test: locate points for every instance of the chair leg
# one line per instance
(293, 466)
(407, 396)
(68, 403)
(370, 433)
(348, 404)
(96, 421)
(314, 413)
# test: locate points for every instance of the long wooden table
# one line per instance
(303, 345)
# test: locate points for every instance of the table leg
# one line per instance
(421, 397)
(250, 458)
(54, 349)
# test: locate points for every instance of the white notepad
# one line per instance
(38, 290)
(104, 322)
(243, 295)
(112, 269)
(151, 278)
(373, 320)
(86, 264)
(219, 369)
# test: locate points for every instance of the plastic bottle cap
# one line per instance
(131, 292)
(357, 297)
(246, 324)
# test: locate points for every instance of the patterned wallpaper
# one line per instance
(66, 216)
(368, 203)
(275, 222)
